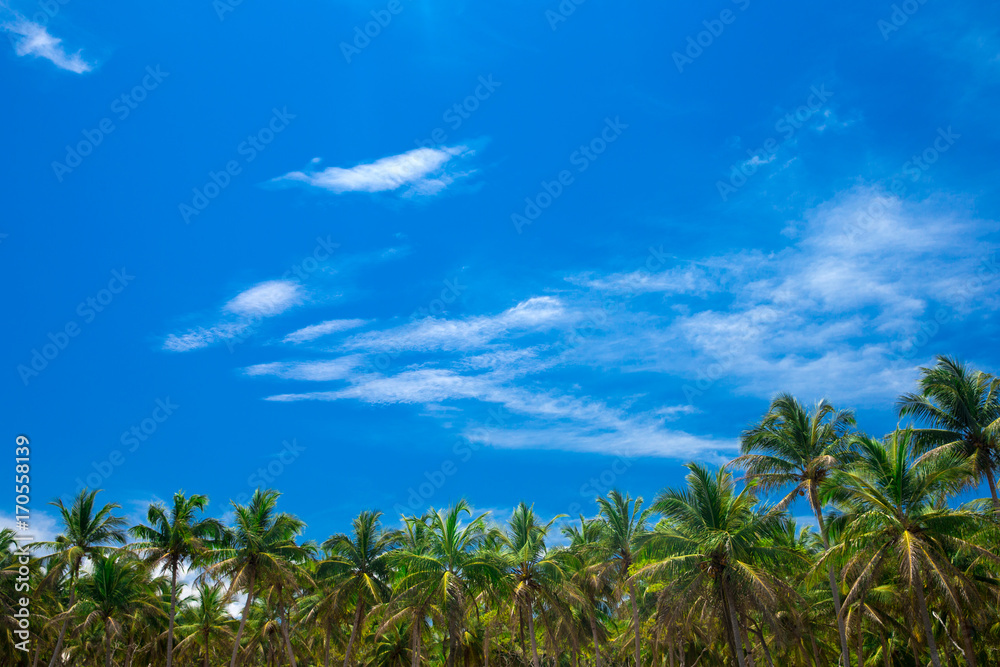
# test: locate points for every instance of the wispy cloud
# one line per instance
(419, 172)
(314, 331)
(240, 315)
(33, 39)
(536, 313)
(266, 299)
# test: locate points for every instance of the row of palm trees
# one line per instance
(894, 572)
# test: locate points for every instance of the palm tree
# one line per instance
(362, 563)
(452, 568)
(205, 624)
(962, 409)
(86, 534)
(792, 446)
(259, 547)
(173, 538)
(534, 571)
(587, 574)
(893, 522)
(624, 532)
(117, 588)
(715, 544)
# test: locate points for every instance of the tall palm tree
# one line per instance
(793, 446)
(172, 538)
(452, 569)
(205, 624)
(962, 410)
(117, 587)
(87, 532)
(361, 561)
(535, 572)
(588, 575)
(715, 543)
(625, 530)
(260, 546)
(893, 522)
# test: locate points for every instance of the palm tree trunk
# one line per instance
(970, 654)
(531, 633)
(326, 645)
(452, 640)
(173, 612)
(635, 621)
(206, 649)
(991, 480)
(845, 654)
(918, 589)
(767, 651)
(354, 631)
(486, 647)
(62, 630)
(243, 618)
(107, 644)
(734, 622)
(284, 629)
(597, 644)
(812, 638)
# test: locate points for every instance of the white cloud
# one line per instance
(32, 39)
(266, 299)
(194, 339)
(333, 369)
(42, 527)
(241, 315)
(315, 331)
(421, 171)
(534, 314)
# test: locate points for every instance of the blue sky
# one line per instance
(527, 251)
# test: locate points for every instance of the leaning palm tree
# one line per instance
(716, 545)
(893, 522)
(87, 532)
(173, 538)
(361, 563)
(624, 532)
(117, 588)
(259, 547)
(962, 410)
(793, 446)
